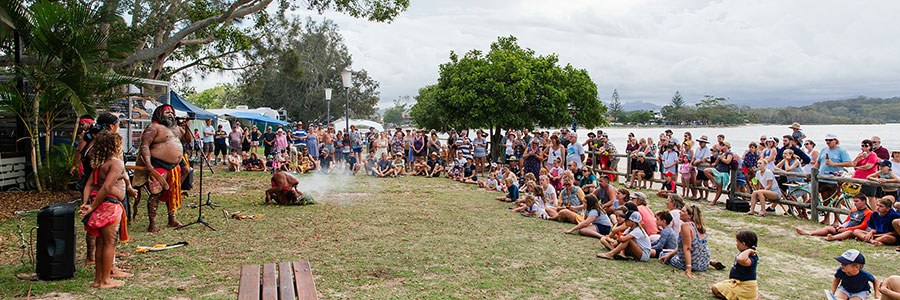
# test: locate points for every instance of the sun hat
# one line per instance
(633, 216)
(639, 195)
(795, 126)
(703, 139)
(726, 144)
(851, 256)
(831, 136)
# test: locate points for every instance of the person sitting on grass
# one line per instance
(490, 183)
(556, 173)
(768, 189)
(326, 159)
(306, 162)
(469, 172)
(890, 288)
(370, 163)
(383, 167)
(692, 250)
(571, 209)
(531, 207)
(857, 219)
(674, 204)
(233, 160)
(649, 219)
(398, 165)
(512, 191)
(596, 223)
(741, 283)
(667, 236)
(588, 178)
(435, 165)
(255, 164)
(668, 187)
(720, 172)
(635, 242)
(420, 167)
(611, 240)
(880, 230)
(850, 280)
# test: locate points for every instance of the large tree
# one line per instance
(507, 87)
(295, 63)
(615, 106)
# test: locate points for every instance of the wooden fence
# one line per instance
(813, 179)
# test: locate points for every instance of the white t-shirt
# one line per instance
(895, 167)
(549, 193)
(764, 175)
(640, 237)
(574, 153)
(676, 219)
(509, 147)
(208, 130)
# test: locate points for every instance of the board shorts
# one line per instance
(736, 289)
(357, 149)
(721, 178)
(861, 295)
(208, 147)
(107, 213)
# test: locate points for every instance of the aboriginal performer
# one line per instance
(162, 158)
(284, 190)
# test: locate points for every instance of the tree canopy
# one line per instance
(507, 87)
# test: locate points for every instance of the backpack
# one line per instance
(737, 204)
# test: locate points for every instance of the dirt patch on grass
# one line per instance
(55, 296)
(10, 202)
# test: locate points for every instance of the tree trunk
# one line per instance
(35, 145)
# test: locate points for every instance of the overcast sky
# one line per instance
(749, 51)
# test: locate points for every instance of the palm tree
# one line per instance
(64, 71)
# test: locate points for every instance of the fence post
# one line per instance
(733, 184)
(628, 170)
(814, 194)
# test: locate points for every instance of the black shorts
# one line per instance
(827, 189)
(602, 229)
(701, 176)
(648, 175)
(869, 191)
(221, 149)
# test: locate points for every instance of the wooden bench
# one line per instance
(286, 280)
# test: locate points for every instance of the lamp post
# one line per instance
(328, 109)
(346, 82)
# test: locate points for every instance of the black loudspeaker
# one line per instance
(56, 242)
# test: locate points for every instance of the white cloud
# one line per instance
(745, 50)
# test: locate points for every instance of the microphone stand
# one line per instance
(200, 219)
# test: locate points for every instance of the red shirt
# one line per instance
(871, 159)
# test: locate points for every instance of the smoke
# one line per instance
(318, 184)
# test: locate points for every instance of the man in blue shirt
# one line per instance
(832, 161)
(299, 136)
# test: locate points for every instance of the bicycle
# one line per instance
(842, 197)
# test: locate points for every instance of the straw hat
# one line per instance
(795, 126)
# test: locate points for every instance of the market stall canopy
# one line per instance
(183, 105)
(258, 117)
(360, 124)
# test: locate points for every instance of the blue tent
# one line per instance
(194, 112)
(254, 116)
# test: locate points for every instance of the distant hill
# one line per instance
(640, 105)
(859, 110)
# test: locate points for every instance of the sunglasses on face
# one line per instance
(829, 140)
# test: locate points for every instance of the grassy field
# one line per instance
(426, 238)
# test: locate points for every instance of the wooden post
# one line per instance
(814, 194)
(732, 188)
(628, 170)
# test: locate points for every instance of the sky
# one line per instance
(760, 53)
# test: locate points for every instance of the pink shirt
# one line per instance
(648, 220)
(871, 159)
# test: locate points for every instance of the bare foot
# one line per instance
(121, 254)
(112, 283)
(829, 237)
(876, 243)
(174, 224)
(604, 256)
(800, 231)
(88, 262)
(152, 229)
(118, 273)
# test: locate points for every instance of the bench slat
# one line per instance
(269, 283)
(306, 287)
(249, 286)
(285, 281)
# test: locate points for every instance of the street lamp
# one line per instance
(347, 83)
(328, 100)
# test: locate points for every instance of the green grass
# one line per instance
(428, 238)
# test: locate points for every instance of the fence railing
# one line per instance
(815, 206)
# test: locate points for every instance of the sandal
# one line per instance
(717, 265)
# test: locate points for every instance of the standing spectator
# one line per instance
(312, 142)
(269, 141)
(254, 139)
(221, 142)
(281, 142)
(371, 136)
(480, 152)
(299, 136)
(245, 141)
(797, 135)
(208, 135)
(882, 152)
(574, 152)
(832, 161)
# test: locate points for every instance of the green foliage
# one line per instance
(394, 114)
(637, 117)
(710, 110)
(507, 87)
(55, 175)
(295, 64)
(615, 106)
(677, 100)
(216, 97)
(860, 110)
